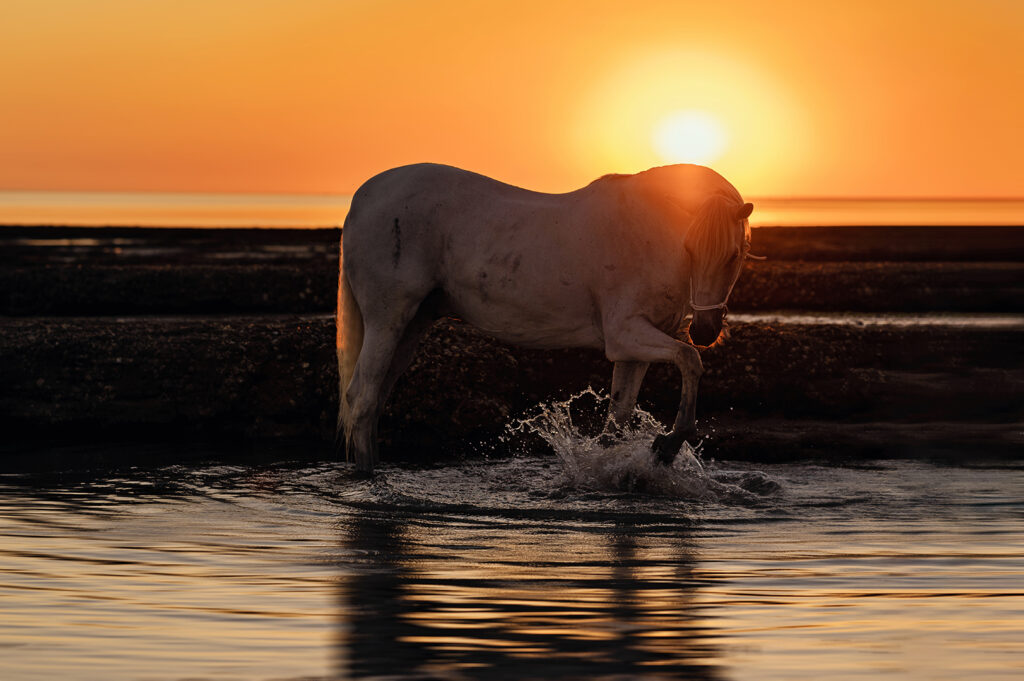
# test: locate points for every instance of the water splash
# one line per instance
(595, 458)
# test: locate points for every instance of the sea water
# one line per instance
(592, 562)
(325, 210)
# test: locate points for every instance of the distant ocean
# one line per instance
(320, 211)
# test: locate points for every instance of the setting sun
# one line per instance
(690, 137)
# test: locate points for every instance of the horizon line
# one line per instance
(327, 195)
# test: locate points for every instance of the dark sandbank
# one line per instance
(245, 379)
(225, 336)
(310, 287)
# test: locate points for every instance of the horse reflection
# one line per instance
(542, 602)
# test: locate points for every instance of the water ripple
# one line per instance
(507, 569)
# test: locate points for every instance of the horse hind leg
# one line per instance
(366, 392)
(414, 332)
(389, 344)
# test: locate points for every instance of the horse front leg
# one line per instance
(637, 340)
(626, 380)
(666, 447)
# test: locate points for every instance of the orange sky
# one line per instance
(914, 98)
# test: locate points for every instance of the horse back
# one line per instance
(456, 220)
(530, 268)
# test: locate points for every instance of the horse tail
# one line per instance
(349, 322)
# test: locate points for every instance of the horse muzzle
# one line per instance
(706, 326)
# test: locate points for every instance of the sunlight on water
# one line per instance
(140, 209)
(296, 210)
(966, 320)
(837, 212)
(497, 570)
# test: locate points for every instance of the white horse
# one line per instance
(615, 266)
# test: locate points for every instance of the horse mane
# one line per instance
(612, 176)
(709, 234)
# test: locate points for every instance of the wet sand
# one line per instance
(226, 336)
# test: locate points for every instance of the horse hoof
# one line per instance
(665, 448)
(361, 474)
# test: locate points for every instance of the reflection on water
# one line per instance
(496, 570)
(967, 320)
(131, 209)
(310, 210)
(556, 602)
(835, 212)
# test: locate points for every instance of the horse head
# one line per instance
(717, 244)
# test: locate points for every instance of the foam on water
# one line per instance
(594, 458)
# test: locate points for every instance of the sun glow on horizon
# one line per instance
(672, 105)
(690, 136)
(814, 100)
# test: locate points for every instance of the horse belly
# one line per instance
(528, 316)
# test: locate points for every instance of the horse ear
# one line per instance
(744, 211)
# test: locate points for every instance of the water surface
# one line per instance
(965, 320)
(132, 209)
(501, 569)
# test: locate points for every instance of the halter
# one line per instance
(719, 306)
